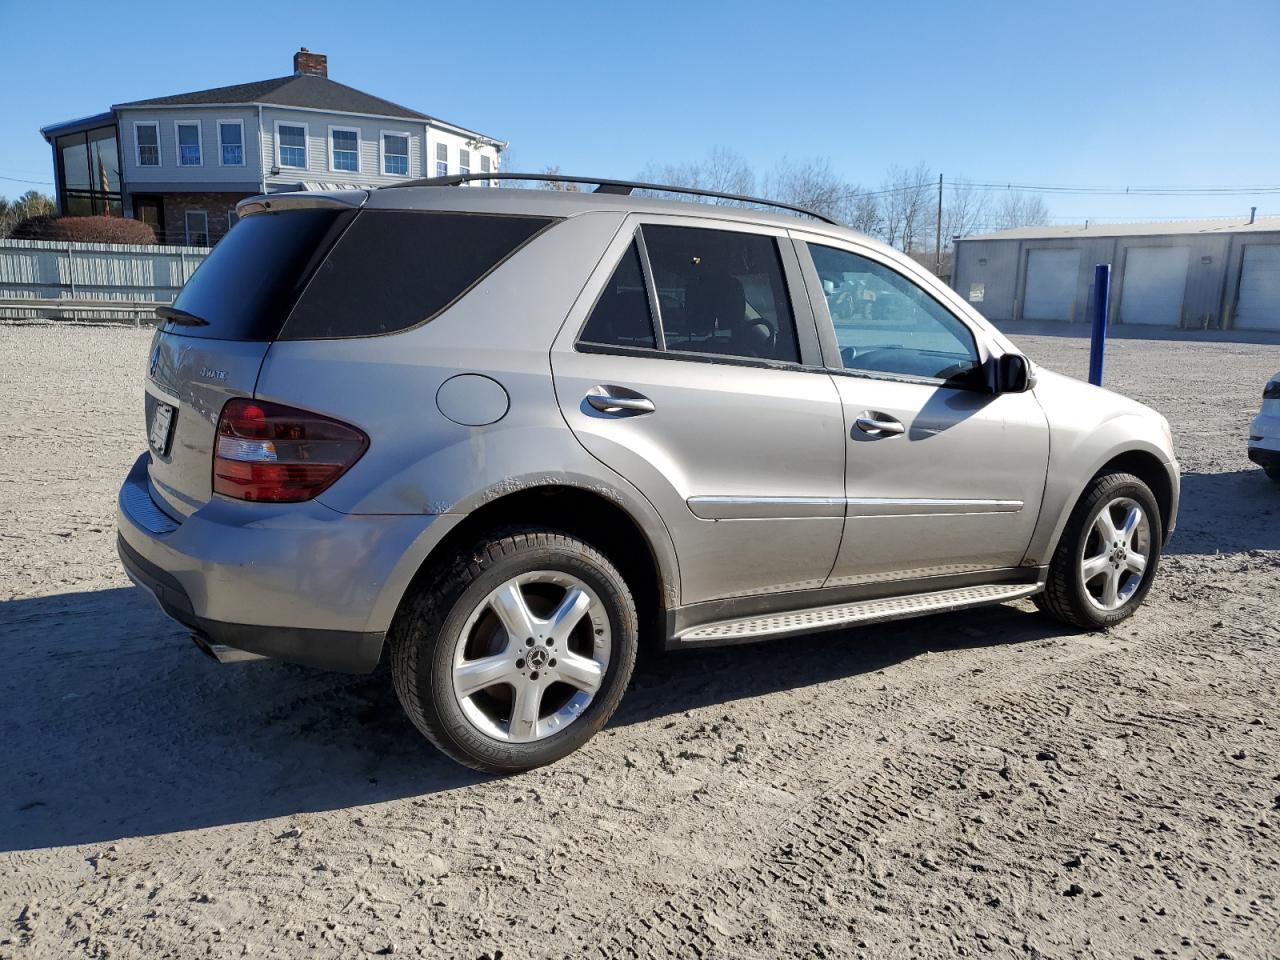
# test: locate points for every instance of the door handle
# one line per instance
(626, 406)
(879, 424)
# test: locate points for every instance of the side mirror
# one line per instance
(1014, 374)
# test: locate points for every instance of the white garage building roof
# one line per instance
(1167, 228)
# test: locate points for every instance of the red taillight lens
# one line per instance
(276, 454)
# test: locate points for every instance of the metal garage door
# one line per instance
(1258, 306)
(1155, 281)
(1052, 278)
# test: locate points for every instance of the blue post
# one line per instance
(1101, 307)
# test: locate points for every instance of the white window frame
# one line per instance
(232, 217)
(464, 168)
(336, 129)
(137, 145)
(243, 146)
(442, 145)
(382, 152)
(486, 161)
(177, 141)
(306, 144)
(186, 225)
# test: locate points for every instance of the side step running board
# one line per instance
(746, 629)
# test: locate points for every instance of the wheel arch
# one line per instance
(648, 567)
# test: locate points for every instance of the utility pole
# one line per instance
(937, 237)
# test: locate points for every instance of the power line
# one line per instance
(42, 183)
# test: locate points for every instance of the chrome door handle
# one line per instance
(609, 403)
(879, 425)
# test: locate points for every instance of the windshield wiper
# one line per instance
(179, 316)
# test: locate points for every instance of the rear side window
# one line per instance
(621, 316)
(392, 270)
(722, 292)
(244, 290)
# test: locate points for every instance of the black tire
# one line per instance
(1065, 595)
(427, 628)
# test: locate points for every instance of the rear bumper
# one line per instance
(296, 582)
(1265, 458)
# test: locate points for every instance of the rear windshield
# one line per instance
(248, 283)
(392, 270)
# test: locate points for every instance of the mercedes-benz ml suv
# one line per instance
(502, 434)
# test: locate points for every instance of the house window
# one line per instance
(291, 145)
(231, 141)
(189, 142)
(395, 154)
(486, 166)
(344, 149)
(442, 159)
(147, 137)
(197, 228)
(232, 217)
(464, 161)
(88, 171)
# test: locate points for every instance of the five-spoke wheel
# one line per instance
(517, 651)
(1107, 555)
(531, 656)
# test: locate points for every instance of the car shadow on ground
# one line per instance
(117, 726)
(1230, 512)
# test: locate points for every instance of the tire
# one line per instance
(1086, 602)
(434, 640)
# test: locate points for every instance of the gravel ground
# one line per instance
(980, 783)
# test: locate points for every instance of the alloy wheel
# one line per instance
(531, 656)
(1115, 554)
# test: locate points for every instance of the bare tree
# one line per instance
(964, 210)
(723, 171)
(560, 185)
(1015, 209)
(905, 206)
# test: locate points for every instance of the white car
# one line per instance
(1264, 435)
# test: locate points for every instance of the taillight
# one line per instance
(276, 454)
(1271, 391)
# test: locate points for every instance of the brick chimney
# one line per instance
(314, 64)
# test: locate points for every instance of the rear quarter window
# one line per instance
(244, 289)
(392, 270)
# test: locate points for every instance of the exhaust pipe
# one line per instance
(222, 653)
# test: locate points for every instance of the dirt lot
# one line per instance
(964, 785)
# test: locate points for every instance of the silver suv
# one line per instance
(506, 433)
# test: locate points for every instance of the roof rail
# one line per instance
(618, 187)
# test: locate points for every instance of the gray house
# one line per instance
(1193, 274)
(181, 163)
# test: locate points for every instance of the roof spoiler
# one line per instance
(617, 187)
(301, 200)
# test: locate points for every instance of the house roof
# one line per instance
(1166, 229)
(296, 90)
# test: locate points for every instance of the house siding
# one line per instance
(211, 172)
(318, 124)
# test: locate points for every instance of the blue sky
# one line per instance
(1171, 93)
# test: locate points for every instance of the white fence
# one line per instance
(53, 275)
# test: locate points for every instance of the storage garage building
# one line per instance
(1197, 274)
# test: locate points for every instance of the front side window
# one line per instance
(395, 154)
(148, 137)
(722, 292)
(189, 144)
(197, 228)
(886, 323)
(344, 149)
(292, 145)
(442, 159)
(621, 316)
(231, 141)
